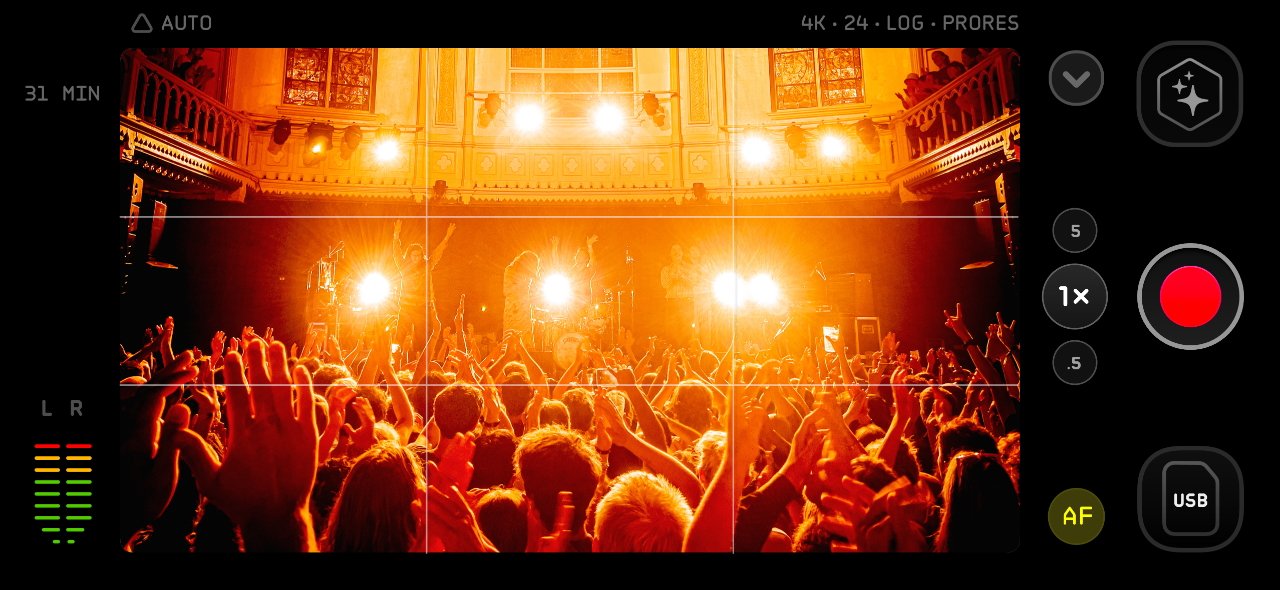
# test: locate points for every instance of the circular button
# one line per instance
(1075, 78)
(1075, 230)
(1074, 296)
(1075, 362)
(1190, 296)
(1076, 516)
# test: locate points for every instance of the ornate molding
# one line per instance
(698, 104)
(585, 194)
(445, 88)
(978, 152)
(167, 156)
(291, 190)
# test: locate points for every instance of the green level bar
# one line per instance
(48, 482)
(75, 530)
(78, 494)
(79, 518)
(57, 542)
(78, 505)
(51, 506)
(38, 494)
(77, 481)
(53, 530)
(43, 517)
(71, 541)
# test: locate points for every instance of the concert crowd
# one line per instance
(631, 443)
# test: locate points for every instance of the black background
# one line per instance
(1146, 197)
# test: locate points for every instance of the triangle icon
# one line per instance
(142, 24)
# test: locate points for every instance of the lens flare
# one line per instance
(764, 290)
(556, 290)
(607, 118)
(374, 289)
(528, 117)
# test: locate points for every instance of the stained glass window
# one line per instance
(815, 77)
(337, 78)
(587, 73)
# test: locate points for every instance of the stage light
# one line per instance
(607, 118)
(279, 135)
(319, 141)
(729, 289)
(653, 108)
(556, 290)
(374, 289)
(868, 135)
(351, 137)
(797, 141)
(756, 150)
(492, 104)
(764, 290)
(388, 147)
(528, 118)
(489, 109)
(833, 142)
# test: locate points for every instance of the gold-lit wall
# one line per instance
(398, 101)
(715, 98)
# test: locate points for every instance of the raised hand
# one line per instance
(455, 461)
(265, 478)
(451, 524)
(148, 449)
(614, 425)
(1004, 332)
(558, 540)
(459, 318)
(217, 345)
(534, 409)
(748, 418)
(847, 504)
(956, 323)
(889, 346)
(806, 449)
(166, 341)
(207, 410)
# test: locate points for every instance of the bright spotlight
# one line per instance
(729, 289)
(608, 118)
(556, 290)
(528, 117)
(834, 146)
(386, 150)
(374, 289)
(756, 151)
(764, 290)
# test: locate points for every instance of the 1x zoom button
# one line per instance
(1074, 296)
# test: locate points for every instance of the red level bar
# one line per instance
(49, 446)
(79, 446)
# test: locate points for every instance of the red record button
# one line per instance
(1190, 296)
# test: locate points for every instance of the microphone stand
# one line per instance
(631, 289)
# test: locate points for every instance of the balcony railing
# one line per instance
(980, 95)
(152, 94)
